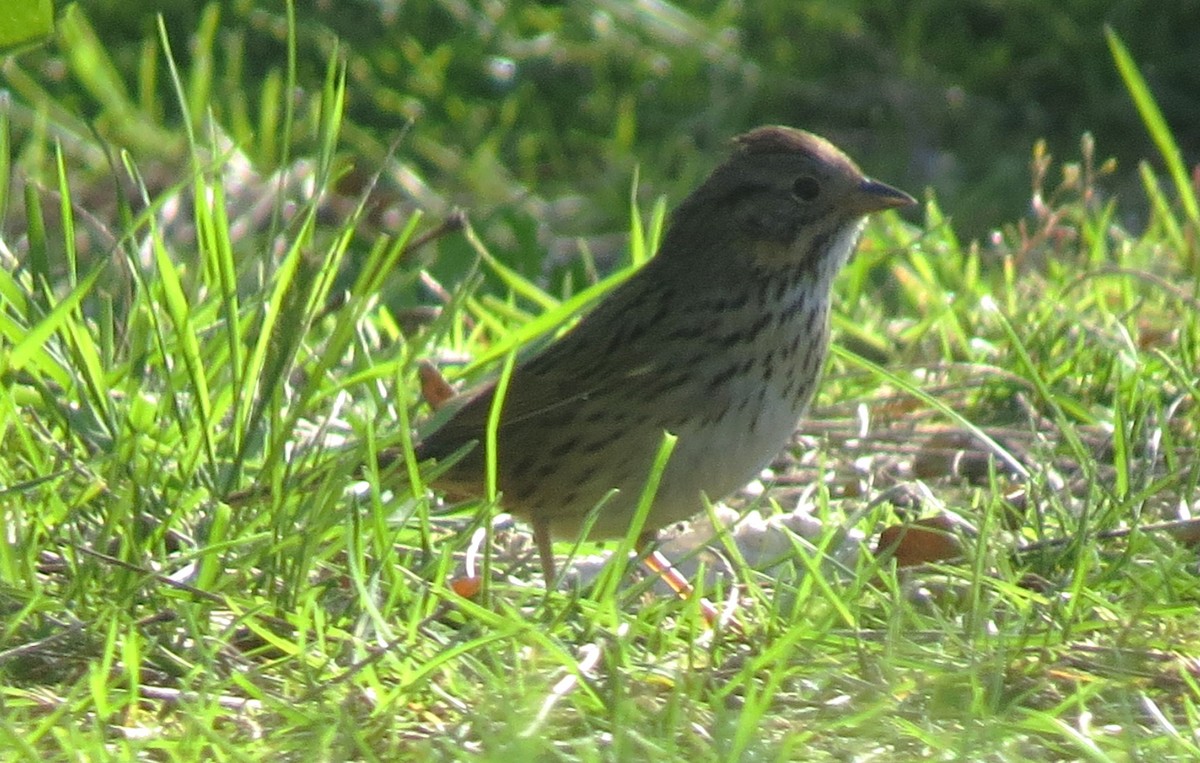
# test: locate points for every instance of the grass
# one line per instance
(219, 329)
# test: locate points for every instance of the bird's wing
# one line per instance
(608, 352)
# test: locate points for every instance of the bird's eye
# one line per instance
(806, 188)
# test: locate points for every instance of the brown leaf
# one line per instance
(930, 539)
(467, 587)
(434, 388)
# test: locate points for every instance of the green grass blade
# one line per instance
(67, 215)
(186, 340)
(638, 251)
(202, 44)
(33, 343)
(493, 424)
(1156, 124)
(5, 155)
(549, 320)
(519, 285)
(909, 388)
(39, 257)
(614, 571)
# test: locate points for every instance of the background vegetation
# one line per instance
(510, 106)
(229, 234)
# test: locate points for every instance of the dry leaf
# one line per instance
(435, 390)
(467, 586)
(930, 539)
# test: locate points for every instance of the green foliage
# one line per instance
(23, 22)
(206, 324)
(525, 110)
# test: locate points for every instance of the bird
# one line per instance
(719, 339)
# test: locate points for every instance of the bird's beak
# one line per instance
(873, 196)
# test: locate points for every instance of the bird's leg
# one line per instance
(651, 557)
(545, 548)
(661, 566)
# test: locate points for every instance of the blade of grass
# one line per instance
(201, 44)
(186, 340)
(1156, 124)
(34, 341)
(35, 231)
(548, 320)
(215, 248)
(67, 212)
(1162, 208)
(637, 233)
(519, 285)
(909, 388)
(5, 155)
(614, 571)
(493, 425)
